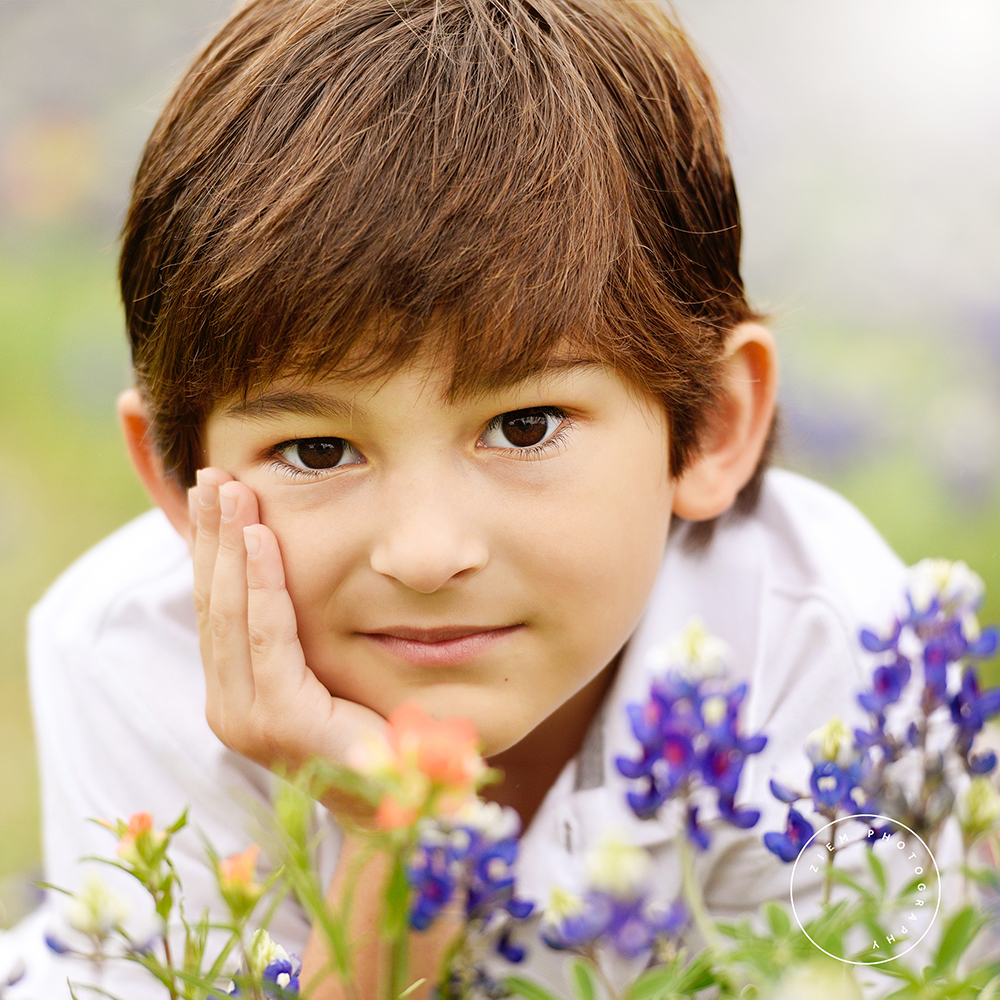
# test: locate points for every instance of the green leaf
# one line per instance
(653, 982)
(179, 823)
(345, 779)
(413, 986)
(777, 919)
(991, 991)
(841, 876)
(956, 937)
(878, 871)
(699, 974)
(516, 986)
(583, 980)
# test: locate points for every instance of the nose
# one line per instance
(424, 543)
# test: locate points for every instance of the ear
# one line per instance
(738, 427)
(166, 492)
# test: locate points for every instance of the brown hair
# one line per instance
(337, 183)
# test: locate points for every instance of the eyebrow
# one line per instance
(299, 402)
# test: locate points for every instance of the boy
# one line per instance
(437, 325)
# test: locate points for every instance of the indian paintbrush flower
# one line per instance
(424, 766)
(238, 882)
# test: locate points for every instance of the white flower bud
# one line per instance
(832, 741)
(562, 904)
(617, 867)
(96, 910)
(818, 979)
(956, 587)
(695, 653)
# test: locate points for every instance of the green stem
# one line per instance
(591, 953)
(170, 965)
(693, 897)
(395, 926)
(828, 875)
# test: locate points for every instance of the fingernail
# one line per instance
(252, 541)
(205, 489)
(227, 503)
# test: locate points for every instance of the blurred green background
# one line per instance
(865, 136)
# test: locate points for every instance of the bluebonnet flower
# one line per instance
(969, 711)
(941, 603)
(836, 786)
(472, 852)
(927, 647)
(787, 845)
(888, 683)
(943, 635)
(616, 910)
(688, 732)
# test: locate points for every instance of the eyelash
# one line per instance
(528, 453)
(535, 450)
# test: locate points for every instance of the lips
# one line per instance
(447, 645)
(442, 634)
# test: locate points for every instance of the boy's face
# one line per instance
(486, 558)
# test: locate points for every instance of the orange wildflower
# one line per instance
(423, 765)
(240, 869)
(446, 750)
(140, 839)
(238, 881)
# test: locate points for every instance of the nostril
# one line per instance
(426, 565)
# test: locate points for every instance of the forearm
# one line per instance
(369, 954)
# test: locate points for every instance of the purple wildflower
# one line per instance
(785, 794)
(274, 969)
(969, 711)
(888, 682)
(630, 926)
(616, 909)
(788, 845)
(281, 977)
(476, 859)
(831, 786)
(688, 732)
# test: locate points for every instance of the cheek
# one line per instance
(601, 557)
(316, 552)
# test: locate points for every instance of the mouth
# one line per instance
(448, 645)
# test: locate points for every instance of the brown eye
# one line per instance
(522, 428)
(318, 453)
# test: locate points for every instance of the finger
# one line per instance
(205, 501)
(294, 715)
(279, 664)
(228, 610)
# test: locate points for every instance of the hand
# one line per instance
(262, 700)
